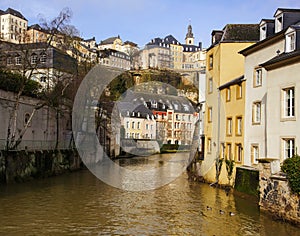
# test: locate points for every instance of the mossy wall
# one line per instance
(247, 181)
(19, 166)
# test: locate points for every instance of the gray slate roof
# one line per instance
(13, 12)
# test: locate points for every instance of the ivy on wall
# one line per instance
(291, 167)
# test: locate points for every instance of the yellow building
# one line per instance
(223, 65)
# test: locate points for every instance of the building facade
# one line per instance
(223, 65)
(271, 123)
(13, 26)
(39, 61)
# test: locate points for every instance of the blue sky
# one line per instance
(141, 20)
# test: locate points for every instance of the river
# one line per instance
(80, 204)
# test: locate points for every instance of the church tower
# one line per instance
(189, 38)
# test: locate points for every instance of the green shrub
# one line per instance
(13, 81)
(291, 167)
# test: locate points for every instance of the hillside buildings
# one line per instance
(169, 53)
(174, 118)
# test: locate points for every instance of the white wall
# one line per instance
(256, 134)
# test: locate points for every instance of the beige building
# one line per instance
(169, 53)
(223, 65)
(13, 26)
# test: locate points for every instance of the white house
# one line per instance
(271, 87)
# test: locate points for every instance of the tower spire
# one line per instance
(189, 38)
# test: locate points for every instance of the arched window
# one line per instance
(43, 57)
(33, 58)
(18, 60)
(26, 119)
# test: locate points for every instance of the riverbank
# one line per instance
(21, 166)
(271, 192)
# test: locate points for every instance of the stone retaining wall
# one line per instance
(19, 166)
(276, 197)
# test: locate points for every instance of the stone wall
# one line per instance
(21, 166)
(276, 197)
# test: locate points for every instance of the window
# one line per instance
(139, 125)
(263, 31)
(211, 61)
(43, 79)
(43, 57)
(278, 24)
(209, 115)
(229, 126)
(210, 85)
(239, 126)
(147, 126)
(127, 124)
(133, 125)
(9, 61)
(254, 153)
(288, 147)
(239, 149)
(257, 80)
(26, 119)
(33, 58)
(228, 151)
(256, 113)
(289, 102)
(239, 91)
(18, 60)
(209, 145)
(228, 94)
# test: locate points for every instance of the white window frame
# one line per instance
(290, 42)
(256, 112)
(288, 147)
(257, 77)
(254, 153)
(279, 23)
(288, 103)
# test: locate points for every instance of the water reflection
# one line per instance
(80, 204)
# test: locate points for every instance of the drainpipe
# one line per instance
(219, 112)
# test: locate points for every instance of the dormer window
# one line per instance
(263, 32)
(290, 42)
(279, 23)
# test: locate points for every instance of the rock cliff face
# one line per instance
(20, 166)
(276, 197)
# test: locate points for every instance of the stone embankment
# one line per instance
(19, 166)
(276, 197)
